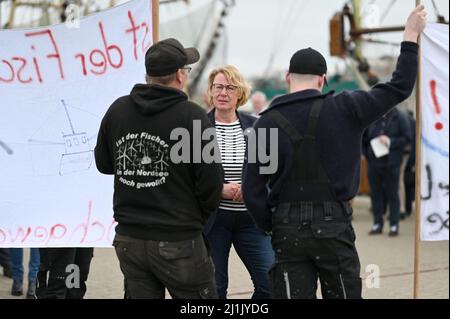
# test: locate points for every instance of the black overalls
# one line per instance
(312, 232)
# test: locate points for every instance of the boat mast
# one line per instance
(12, 14)
(357, 25)
(44, 5)
(213, 43)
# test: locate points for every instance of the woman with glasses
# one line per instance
(227, 91)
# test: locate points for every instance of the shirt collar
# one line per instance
(296, 97)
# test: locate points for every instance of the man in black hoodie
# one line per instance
(161, 204)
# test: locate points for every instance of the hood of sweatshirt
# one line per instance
(152, 99)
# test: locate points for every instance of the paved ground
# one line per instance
(393, 256)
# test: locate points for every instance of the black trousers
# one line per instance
(312, 244)
(384, 187)
(63, 273)
(300, 263)
(5, 261)
(185, 268)
(410, 189)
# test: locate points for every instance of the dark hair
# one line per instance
(162, 80)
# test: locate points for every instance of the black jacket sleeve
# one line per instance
(404, 138)
(255, 184)
(365, 143)
(103, 158)
(368, 106)
(208, 176)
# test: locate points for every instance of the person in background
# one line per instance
(5, 262)
(409, 173)
(259, 102)
(394, 132)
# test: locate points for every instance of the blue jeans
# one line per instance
(16, 255)
(251, 244)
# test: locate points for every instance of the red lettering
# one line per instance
(12, 73)
(109, 48)
(38, 71)
(83, 62)
(20, 233)
(437, 107)
(102, 63)
(53, 232)
(98, 59)
(22, 66)
(36, 67)
(84, 225)
(97, 223)
(38, 234)
(145, 47)
(54, 55)
(58, 234)
(133, 29)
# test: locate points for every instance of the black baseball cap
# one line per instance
(308, 61)
(167, 56)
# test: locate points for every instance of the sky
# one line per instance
(258, 27)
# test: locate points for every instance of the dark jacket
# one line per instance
(246, 121)
(154, 198)
(411, 162)
(395, 125)
(340, 127)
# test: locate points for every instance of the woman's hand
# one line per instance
(238, 196)
(229, 190)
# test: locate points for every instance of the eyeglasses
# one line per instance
(218, 88)
(187, 68)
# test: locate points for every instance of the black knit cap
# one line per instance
(167, 56)
(308, 61)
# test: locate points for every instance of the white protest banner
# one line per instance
(56, 83)
(435, 132)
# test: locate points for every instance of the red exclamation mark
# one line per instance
(433, 85)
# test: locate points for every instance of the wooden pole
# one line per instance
(418, 176)
(12, 14)
(357, 17)
(155, 19)
(358, 32)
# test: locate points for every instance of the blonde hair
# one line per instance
(235, 78)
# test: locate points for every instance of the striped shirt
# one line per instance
(232, 150)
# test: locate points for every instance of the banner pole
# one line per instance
(155, 19)
(418, 171)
